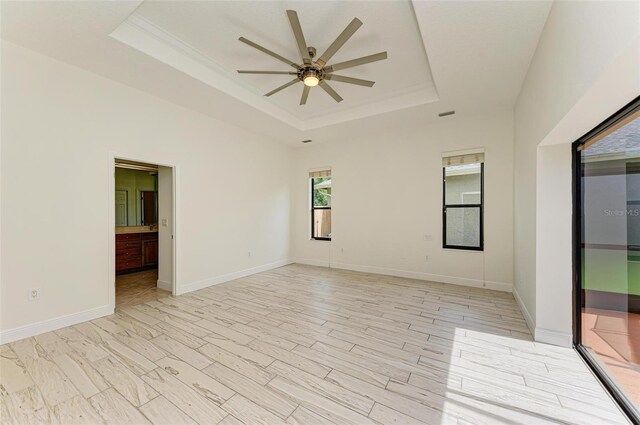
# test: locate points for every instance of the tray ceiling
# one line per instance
(201, 40)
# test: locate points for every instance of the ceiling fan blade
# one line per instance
(339, 42)
(356, 62)
(282, 87)
(350, 80)
(305, 95)
(269, 52)
(331, 91)
(266, 72)
(297, 32)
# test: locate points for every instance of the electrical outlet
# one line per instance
(249, 254)
(164, 222)
(426, 258)
(428, 238)
(34, 294)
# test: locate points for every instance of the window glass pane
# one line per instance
(463, 227)
(610, 248)
(321, 223)
(463, 184)
(322, 192)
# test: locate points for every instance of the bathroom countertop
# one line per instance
(135, 229)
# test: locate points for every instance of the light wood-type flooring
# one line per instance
(303, 345)
(138, 288)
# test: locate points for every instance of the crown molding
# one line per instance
(143, 35)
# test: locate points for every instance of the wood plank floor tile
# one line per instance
(317, 403)
(181, 351)
(238, 364)
(202, 410)
(161, 411)
(245, 352)
(114, 409)
(304, 416)
(386, 415)
(13, 373)
(202, 383)
(81, 344)
(323, 387)
(127, 383)
(135, 361)
(81, 374)
(77, 411)
(249, 412)
(52, 383)
(303, 345)
(291, 358)
(252, 390)
(26, 407)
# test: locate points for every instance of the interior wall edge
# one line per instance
(162, 284)
(453, 280)
(531, 324)
(549, 336)
(216, 280)
(53, 324)
(311, 262)
(205, 148)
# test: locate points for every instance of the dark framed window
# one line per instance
(321, 207)
(606, 254)
(463, 203)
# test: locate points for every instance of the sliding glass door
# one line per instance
(607, 253)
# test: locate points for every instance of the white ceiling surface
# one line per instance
(478, 54)
(211, 30)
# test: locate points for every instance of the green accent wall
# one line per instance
(134, 181)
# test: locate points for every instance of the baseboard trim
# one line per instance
(49, 325)
(318, 263)
(497, 286)
(552, 337)
(164, 285)
(194, 286)
(525, 312)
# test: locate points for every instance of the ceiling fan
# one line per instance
(315, 72)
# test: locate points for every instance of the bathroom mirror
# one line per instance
(136, 200)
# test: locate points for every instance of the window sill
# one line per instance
(450, 248)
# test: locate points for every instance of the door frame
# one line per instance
(111, 230)
(578, 299)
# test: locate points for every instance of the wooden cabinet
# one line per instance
(136, 251)
(150, 251)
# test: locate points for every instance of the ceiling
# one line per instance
(461, 55)
(208, 32)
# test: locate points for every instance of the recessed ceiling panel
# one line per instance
(206, 35)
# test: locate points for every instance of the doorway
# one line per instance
(143, 232)
(607, 253)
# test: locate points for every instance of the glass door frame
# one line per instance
(578, 296)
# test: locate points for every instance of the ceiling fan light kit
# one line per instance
(315, 73)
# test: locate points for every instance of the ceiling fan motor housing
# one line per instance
(310, 71)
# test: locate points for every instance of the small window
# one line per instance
(320, 205)
(463, 202)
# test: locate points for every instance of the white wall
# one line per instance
(554, 245)
(165, 229)
(387, 195)
(586, 66)
(60, 122)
